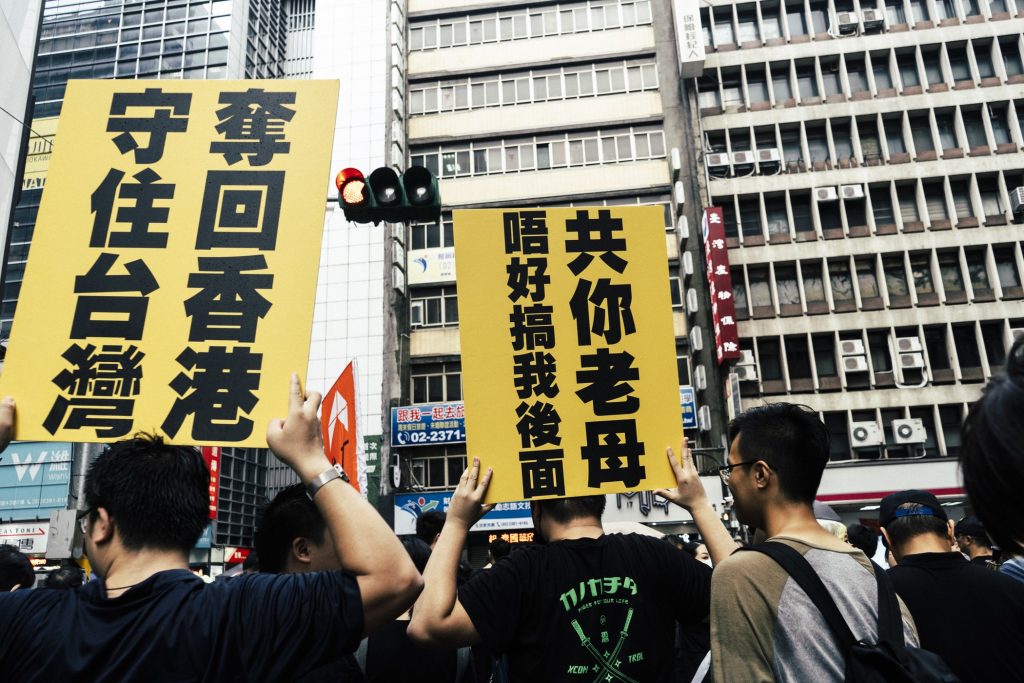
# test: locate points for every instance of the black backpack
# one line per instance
(887, 661)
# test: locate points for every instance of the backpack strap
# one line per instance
(890, 618)
(801, 571)
(461, 662)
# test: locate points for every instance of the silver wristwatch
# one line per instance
(335, 472)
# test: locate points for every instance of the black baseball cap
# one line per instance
(971, 526)
(889, 509)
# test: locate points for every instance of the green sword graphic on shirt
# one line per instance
(607, 664)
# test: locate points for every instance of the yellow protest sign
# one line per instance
(568, 354)
(172, 274)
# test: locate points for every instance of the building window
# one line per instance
(798, 359)
(739, 292)
(1006, 267)
(878, 344)
(437, 467)
(760, 290)
(966, 343)
(895, 276)
(436, 382)
(881, 205)
(949, 269)
(951, 419)
(921, 268)
(992, 336)
(433, 307)
(837, 426)
(786, 285)
(867, 281)
(825, 354)
(935, 343)
(814, 289)
(924, 414)
(768, 359)
(839, 277)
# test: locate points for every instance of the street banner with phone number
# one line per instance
(568, 352)
(172, 275)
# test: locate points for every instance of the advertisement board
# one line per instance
(429, 424)
(34, 479)
(430, 266)
(409, 506)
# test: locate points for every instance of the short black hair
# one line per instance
(289, 516)
(500, 549)
(564, 510)
(155, 493)
(429, 525)
(991, 458)
(419, 551)
(251, 563)
(862, 538)
(792, 439)
(15, 569)
(64, 578)
(904, 528)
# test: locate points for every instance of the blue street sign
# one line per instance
(688, 402)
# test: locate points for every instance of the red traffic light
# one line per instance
(351, 187)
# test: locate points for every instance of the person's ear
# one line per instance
(102, 527)
(762, 474)
(885, 538)
(951, 532)
(300, 550)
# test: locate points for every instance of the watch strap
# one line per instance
(330, 474)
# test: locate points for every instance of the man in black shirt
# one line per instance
(584, 606)
(971, 617)
(149, 619)
(973, 541)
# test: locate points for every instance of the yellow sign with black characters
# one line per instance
(568, 352)
(172, 274)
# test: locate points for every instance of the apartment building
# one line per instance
(532, 104)
(868, 161)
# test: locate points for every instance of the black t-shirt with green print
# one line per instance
(589, 609)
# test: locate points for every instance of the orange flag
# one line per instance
(338, 420)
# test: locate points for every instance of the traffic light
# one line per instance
(386, 196)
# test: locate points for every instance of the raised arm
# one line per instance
(437, 617)
(690, 495)
(366, 545)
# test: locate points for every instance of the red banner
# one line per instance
(211, 454)
(723, 309)
(338, 422)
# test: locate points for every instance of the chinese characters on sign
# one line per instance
(689, 37)
(570, 384)
(211, 454)
(428, 424)
(188, 219)
(723, 310)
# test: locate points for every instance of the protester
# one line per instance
(251, 564)
(390, 655)
(992, 455)
(497, 550)
(949, 597)
(973, 541)
(15, 570)
(863, 539)
(64, 578)
(697, 551)
(579, 603)
(428, 527)
(1013, 567)
(148, 618)
(763, 625)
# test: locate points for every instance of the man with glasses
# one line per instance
(764, 627)
(147, 618)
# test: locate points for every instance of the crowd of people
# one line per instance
(338, 597)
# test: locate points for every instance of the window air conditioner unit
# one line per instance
(746, 358)
(865, 435)
(1017, 199)
(676, 161)
(851, 347)
(742, 158)
(1016, 333)
(700, 378)
(855, 364)
(825, 194)
(909, 431)
(692, 303)
(872, 18)
(704, 419)
(911, 361)
(679, 194)
(847, 22)
(746, 373)
(683, 225)
(696, 339)
(908, 344)
(716, 160)
(768, 155)
(852, 191)
(687, 264)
